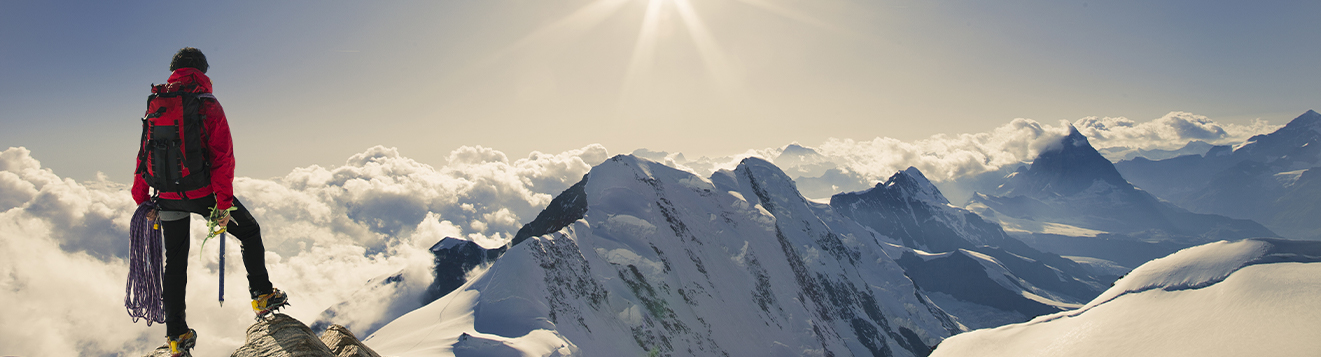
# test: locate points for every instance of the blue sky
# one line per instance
(315, 82)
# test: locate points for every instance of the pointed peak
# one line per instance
(449, 243)
(912, 183)
(1075, 138)
(916, 174)
(1309, 119)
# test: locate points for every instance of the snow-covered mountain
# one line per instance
(1255, 297)
(1195, 147)
(642, 258)
(385, 298)
(1072, 201)
(968, 265)
(1273, 178)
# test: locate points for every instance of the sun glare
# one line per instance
(639, 75)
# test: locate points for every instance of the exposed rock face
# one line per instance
(454, 258)
(343, 343)
(281, 335)
(284, 336)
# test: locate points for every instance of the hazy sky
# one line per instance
(307, 82)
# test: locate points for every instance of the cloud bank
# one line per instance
(335, 234)
(1170, 132)
(328, 233)
(966, 162)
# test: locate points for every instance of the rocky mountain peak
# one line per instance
(913, 184)
(1292, 147)
(1311, 119)
(1068, 167)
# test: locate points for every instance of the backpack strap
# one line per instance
(206, 137)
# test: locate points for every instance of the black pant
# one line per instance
(241, 225)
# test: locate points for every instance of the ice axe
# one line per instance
(214, 229)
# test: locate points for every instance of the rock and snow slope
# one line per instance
(1072, 201)
(641, 258)
(969, 266)
(1255, 297)
(1274, 178)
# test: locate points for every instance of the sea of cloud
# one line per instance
(1172, 131)
(328, 233)
(969, 162)
(332, 232)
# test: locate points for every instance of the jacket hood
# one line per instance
(187, 76)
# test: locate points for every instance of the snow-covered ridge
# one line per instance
(1208, 264)
(655, 260)
(1248, 297)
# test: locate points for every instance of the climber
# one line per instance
(186, 157)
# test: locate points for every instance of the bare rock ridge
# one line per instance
(283, 336)
(343, 343)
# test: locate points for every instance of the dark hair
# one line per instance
(188, 57)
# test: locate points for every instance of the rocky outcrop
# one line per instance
(284, 336)
(343, 343)
(281, 335)
(454, 258)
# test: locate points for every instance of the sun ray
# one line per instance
(644, 51)
(707, 48)
(793, 15)
(568, 27)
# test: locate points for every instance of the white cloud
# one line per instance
(328, 231)
(955, 161)
(1172, 131)
(944, 157)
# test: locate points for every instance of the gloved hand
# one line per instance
(219, 220)
(223, 221)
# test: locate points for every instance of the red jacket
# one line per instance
(219, 143)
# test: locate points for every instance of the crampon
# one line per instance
(181, 345)
(265, 304)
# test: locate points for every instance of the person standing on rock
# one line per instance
(186, 157)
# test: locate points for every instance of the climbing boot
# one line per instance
(181, 345)
(264, 304)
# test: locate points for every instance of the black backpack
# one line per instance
(173, 153)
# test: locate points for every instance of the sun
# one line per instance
(641, 62)
(644, 49)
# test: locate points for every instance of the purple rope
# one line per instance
(142, 293)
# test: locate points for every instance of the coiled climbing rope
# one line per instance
(142, 293)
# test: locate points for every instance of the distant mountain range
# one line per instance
(641, 258)
(968, 265)
(1072, 201)
(1273, 179)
